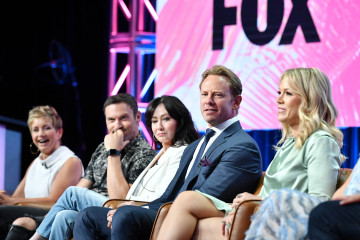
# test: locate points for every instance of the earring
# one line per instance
(31, 149)
(154, 137)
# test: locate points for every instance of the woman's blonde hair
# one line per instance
(317, 109)
(45, 111)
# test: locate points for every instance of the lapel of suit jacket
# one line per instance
(178, 180)
(142, 174)
(221, 139)
(164, 158)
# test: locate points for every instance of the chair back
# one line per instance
(344, 174)
(163, 211)
(260, 184)
(114, 203)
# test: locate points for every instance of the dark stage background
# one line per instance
(35, 33)
(80, 30)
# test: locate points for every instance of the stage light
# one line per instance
(145, 132)
(148, 83)
(121, 79)
(125, 9)
(142, 106)
(151, 10)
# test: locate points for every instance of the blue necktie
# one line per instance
(209, 133)
(189, 183)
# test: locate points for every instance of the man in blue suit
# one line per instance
(229, 162)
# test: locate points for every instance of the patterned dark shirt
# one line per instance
(134, 158)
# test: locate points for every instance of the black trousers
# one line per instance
(8, 214)
(330, 221)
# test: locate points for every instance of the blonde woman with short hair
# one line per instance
(54, 169)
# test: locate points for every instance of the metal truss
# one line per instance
(136, 43)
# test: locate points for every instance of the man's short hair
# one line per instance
(122, 98)
(234, 80)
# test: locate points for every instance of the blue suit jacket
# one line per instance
(235, 167)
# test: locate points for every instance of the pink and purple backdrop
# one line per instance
(184, 51)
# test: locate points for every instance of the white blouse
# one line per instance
(42, 173)
(155, 178)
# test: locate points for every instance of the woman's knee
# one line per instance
(26, 222)
(188, 201)
(187, 196)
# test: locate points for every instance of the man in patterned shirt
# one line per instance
(114, 166)
(125, 143)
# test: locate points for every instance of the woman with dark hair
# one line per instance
(185, 132)
(172, 129)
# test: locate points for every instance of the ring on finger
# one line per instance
(239, 195)
(228, 225)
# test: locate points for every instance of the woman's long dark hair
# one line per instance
(185, 132)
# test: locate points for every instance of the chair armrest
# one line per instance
(163, 211)
(260, 184)
(242, 218)
(344, 174)
(43, 205)
(113, 203)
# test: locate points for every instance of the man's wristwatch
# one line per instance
(112, 152)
